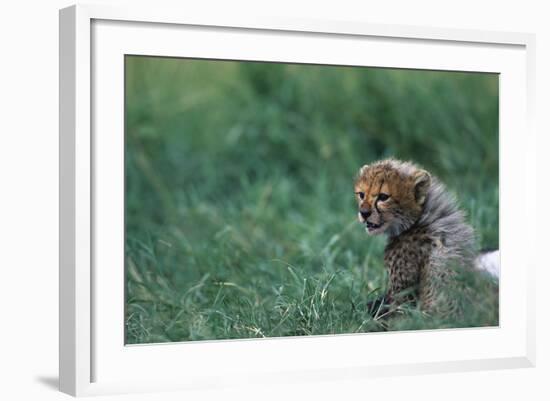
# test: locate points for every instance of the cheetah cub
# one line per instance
(427, 233)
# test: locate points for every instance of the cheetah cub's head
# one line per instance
(390, 195)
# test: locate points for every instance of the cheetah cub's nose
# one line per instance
(365, 214)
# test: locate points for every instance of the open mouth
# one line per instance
(372, 226)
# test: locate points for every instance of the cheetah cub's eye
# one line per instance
(383, 197)
(361, 195)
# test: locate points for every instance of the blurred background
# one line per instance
(240, 213)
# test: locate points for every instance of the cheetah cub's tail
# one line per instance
(489, 262)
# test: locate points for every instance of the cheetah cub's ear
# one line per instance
(422, 181)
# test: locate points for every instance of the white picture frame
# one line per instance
(93, 357)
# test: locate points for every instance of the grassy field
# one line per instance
(240, 214)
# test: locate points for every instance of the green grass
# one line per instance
(240, 215)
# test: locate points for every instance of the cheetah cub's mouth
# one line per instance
(372, 228)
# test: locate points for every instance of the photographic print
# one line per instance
(275, 199)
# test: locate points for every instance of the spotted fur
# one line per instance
(428, 236)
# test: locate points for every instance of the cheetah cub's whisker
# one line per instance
(428, 236)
